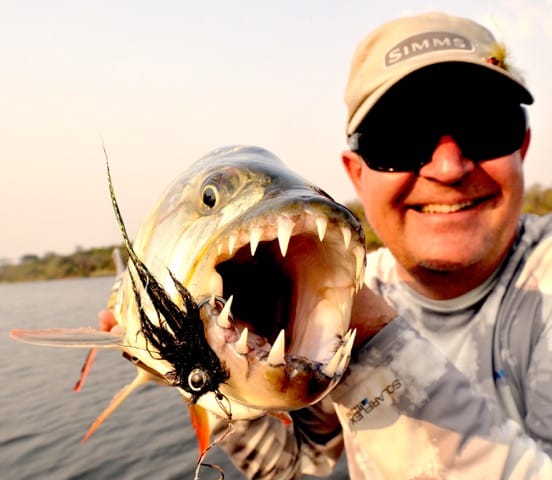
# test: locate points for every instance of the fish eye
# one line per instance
(218, 188)
(210, 196)
(197, 379)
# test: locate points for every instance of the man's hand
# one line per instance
(107, 322)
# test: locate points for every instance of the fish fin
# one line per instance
(141, 378)
(199, 419)
(84, 337)
(107, 324)
(284, 417)
(120, 266)
(85, 369)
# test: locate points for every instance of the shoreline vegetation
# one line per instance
(97, 262)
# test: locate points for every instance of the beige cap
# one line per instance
(407, 44)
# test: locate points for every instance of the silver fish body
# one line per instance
(273, 264)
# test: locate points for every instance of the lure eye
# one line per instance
(197, 379)
(210, 196)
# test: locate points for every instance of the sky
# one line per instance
(162, 83)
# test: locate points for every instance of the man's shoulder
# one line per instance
(380, 265)
(536, 255)
(535, 228)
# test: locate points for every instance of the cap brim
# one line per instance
(503, 77)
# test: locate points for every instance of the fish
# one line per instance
(238, 291)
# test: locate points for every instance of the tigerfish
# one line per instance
(239, 286)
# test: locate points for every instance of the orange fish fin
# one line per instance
(141, 378)
(85, 370)
(200, 421)
(284, 417)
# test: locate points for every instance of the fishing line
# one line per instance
(226, 407)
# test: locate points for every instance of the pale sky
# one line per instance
(164, 82)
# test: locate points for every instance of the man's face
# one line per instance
(452, 215)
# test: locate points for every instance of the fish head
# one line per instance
(274, 263)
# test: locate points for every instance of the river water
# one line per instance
(42, 420)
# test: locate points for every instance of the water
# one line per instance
(42, 420)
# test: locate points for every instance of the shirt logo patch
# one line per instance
(365, 406)
(426, 42)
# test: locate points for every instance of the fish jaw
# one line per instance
(289, 256)
(292, 345)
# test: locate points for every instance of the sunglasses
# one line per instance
(405, 140)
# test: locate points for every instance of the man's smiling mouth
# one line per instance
(445, 208)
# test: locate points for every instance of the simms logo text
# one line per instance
(424, 43)
(364, 407)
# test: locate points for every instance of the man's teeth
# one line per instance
(442, 208)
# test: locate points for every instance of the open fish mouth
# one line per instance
(284, 284)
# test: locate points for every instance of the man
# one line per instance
(455, 380)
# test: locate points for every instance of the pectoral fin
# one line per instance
(199, 419)
(84, 337)
(85, 369)
(141, 378)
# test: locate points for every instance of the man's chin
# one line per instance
(442, 266)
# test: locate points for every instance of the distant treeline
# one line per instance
(93, 262)
(98, 261)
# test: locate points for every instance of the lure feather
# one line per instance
(179, 335)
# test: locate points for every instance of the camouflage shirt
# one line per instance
(458, 388)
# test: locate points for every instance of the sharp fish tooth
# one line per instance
(331, 367)
(254, 237)
(285, 227)
(342, 365)
(277, 352)
(359, 259)
(321, 225)
(232, 243)
(350, 342)
(223, 319)
(219, 249)
(241, 344)
(347, 336)
(346, 232)
(346, 354)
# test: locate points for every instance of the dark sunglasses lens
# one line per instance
(396, 154)
(492, 134)
(398, 143)
(406, 144)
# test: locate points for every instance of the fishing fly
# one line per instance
(178, 336)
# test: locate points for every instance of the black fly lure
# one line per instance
(179, 337)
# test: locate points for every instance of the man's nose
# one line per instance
(448, 164)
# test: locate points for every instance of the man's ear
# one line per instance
(525, 145)
(353, 163)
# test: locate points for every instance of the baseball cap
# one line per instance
(408, 44)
